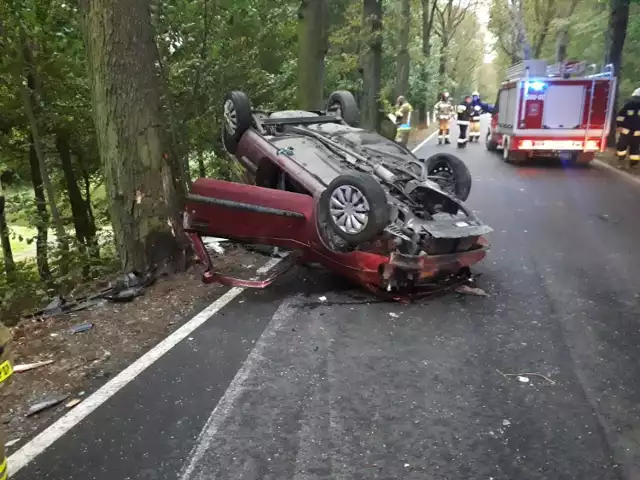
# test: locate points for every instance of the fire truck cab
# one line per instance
(556, 111)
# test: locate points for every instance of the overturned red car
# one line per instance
(346, 198)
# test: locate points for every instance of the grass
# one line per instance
(23, 233)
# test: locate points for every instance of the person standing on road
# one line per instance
(403, 111)
(628, 123)
(464, 110)
(443, 111)
(479, 107)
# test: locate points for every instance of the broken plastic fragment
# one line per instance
(466, 289)
(322, 299)
(30, 366)
(81, 328)
(522, 379)
(39, 407)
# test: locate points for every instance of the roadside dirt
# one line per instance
(418, 135)
(609, 157)
(121, 333)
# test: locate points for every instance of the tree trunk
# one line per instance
(616, 35)
(29, 100)
(403, 61)
(201, 167)
(428, 15)
(42, 220)
(143, 192)
(442, 65)
(9, 264)
(312, 48)
(562, 35)
(81, 219)
(371, 64)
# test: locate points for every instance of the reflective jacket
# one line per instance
(464, 111)
(443, 110)
(403, 116)
(628, 118)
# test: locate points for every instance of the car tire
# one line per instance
(344, 104)
(446, 165)
(491, 145)
(237, 119)
(370, 204)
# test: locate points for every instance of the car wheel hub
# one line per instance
(230, 117)
(349, 209)
(446, 180)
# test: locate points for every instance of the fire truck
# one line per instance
(559, 111)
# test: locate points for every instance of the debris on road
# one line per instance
(81, 328)
(394, 315)
(73, 403)
(24, 367)
(322, 299)
(46, 404)
(524, 377)
(12, 442)
(506, 423)
(467, 290)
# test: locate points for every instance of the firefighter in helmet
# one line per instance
(402, 113)
(444, 112)
(6, 369)
(464, 110)
(474, 121)
(628, 123)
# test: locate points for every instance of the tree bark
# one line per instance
(9, 264)
(403, 62)
(312, 48)
(442, 65)
(143, 185)
(371, 64)
(42, 220)
(85, 231)
(562, 35)
(616, 36)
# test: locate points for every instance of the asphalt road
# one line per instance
(351, 388)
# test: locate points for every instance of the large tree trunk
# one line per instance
(371, 64)
(42, 220)
(30, 100)
(9, 264)
(616, 35)
(428, 16)
(143, 184)
(312, 48)
(85, 231)
(442, 65)
(403, 61)
(562, 34)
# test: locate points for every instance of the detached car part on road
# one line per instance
(349, 199)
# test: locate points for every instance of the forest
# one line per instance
(111, 108)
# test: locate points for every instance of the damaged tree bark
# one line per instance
(143, 187)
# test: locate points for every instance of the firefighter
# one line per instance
(474, 122)
(403, 111)
(6, 369)
(444, 112)
(464, 110)
(628, 123)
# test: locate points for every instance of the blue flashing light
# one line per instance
(537, 87)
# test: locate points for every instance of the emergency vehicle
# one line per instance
(557, 111)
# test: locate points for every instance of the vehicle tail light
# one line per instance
(592, 145)
(526, 144)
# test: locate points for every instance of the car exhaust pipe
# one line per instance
(384, 174)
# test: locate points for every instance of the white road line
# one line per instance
(424, 142)
(46, 438)
(235, 390)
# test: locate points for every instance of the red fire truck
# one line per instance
(557, 111)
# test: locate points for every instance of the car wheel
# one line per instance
(491, 145)
(450, 173)
(343, 104)
(355, 207)
(237, 119)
